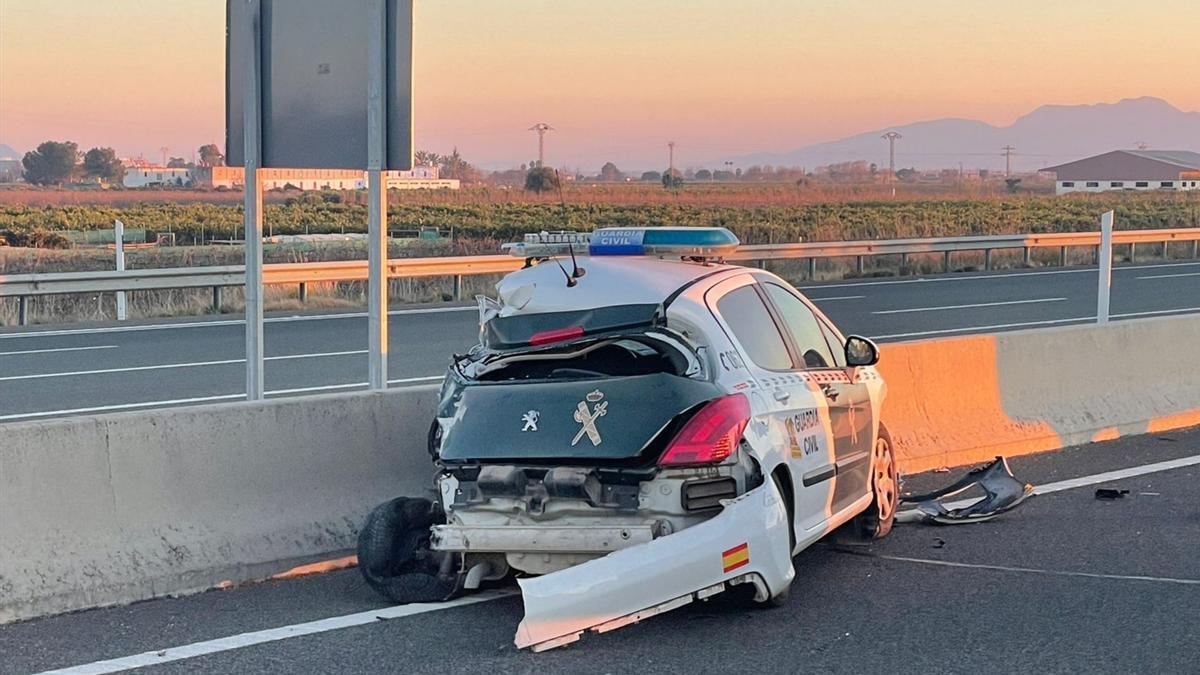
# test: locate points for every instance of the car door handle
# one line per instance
(782, 395)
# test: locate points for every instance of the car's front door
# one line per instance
(849, 401)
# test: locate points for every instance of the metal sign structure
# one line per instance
(318, 84)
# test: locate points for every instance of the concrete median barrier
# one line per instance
(960, 400)
(117, 508)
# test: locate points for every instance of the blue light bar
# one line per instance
(704, 242)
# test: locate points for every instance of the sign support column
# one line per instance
(377, 240)
(252, 100)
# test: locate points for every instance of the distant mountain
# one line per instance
(1052, 134)
(6, 152)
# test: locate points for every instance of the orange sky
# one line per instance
(616, 78)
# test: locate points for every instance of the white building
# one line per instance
(420, 177)
(1129, 170)
(151, 176)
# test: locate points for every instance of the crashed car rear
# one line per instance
(624, 441)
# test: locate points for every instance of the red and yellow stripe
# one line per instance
(738, 556)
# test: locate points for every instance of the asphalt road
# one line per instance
(55, 371)
(1065, 583)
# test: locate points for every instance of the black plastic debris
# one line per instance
(1110, 493)
(1002, 492)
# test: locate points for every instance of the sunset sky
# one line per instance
(616, 78)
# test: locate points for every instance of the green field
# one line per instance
(771, 222)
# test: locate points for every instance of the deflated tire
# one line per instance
(394, 556)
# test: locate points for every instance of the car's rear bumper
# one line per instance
(539, 538)
(747, 542)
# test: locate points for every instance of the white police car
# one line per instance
(639, 427)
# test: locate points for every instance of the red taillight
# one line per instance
(556, 335)
(711, 435)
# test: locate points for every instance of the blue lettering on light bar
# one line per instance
(706, 242)
(617, 241)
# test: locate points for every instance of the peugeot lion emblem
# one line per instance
(588, 418)
(530, 419)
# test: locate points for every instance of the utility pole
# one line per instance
(1008, 151)
(164, 150)
(671, 158)
(541, 128)
(892, 137)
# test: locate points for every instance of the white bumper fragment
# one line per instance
(748, 538)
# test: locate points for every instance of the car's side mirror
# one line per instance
(861, 351)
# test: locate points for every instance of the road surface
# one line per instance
(56, 371)
(1065, 583)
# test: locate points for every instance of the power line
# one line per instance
(891, 137)
(541, 128)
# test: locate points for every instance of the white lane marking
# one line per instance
(839, 297)
(116, 407)
(169, 366)
(60, 349)
(224, 322)
(1095, 479)
(1028, 324)
(1171, 276)
(986, 277)
(967, 306)
(243, 640)
(1034, 570)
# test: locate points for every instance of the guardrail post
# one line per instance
(858, 264)
(1102, 295)
(812, 269)
(216, 299)
(23, 310)
(1062, 256)
(903, 262)
(1165, 244)
(1195, 248)
(987, 259)
(303, 292)
(1133, 252)
(458, 279)
(1028, 257)
(946, 260)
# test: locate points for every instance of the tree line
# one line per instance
(60, 162)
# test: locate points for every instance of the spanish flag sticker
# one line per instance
(738, 556)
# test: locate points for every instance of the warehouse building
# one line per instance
(1129, 170)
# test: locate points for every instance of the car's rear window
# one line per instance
(523, 330)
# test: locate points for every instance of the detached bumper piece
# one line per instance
(747, 542)
(1002, 492)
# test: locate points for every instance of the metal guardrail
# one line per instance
(25, 285)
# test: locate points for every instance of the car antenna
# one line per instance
(576, 270)
(570, 280)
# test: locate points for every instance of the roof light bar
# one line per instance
(704, 242)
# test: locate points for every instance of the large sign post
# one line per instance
(327, 85)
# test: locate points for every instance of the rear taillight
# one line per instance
(711, 435)
(556, 335)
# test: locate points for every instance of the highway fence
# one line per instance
(25, 286)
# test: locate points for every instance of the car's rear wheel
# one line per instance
(876, 521)
(394, 556)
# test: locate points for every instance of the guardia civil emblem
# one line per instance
(587, 417)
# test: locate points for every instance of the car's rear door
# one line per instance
(796, 412)
(849, 401)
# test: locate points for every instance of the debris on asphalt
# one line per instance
(938, 542)
(1003, 492)
(1110, 493)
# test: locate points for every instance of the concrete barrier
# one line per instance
(117, 508)
(960, 400)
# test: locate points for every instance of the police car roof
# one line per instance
(609, 280)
